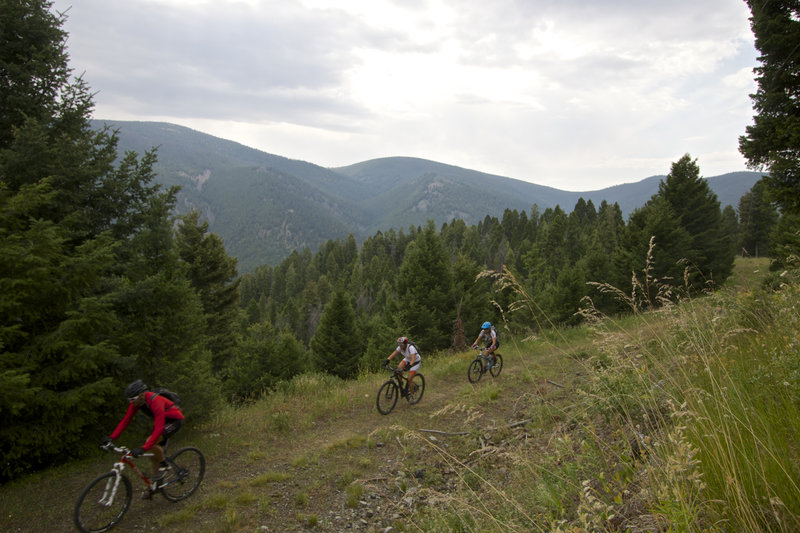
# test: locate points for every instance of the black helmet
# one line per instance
(133, 390)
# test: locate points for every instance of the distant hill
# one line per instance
(264, 205)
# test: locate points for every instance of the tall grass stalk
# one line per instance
(686, 418)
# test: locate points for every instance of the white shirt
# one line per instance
(410, 354)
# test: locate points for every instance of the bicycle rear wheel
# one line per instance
(187, 468)
(475, 370)
(419, 381)
(101, 505)
(387, 397)
(497, 366)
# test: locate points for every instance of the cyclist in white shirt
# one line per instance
(411, 360)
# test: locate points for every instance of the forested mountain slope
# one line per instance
(264, 206)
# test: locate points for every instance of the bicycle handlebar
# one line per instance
(110, 447)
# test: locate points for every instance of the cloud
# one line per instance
(570, 93)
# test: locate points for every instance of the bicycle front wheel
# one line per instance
(187, 468)
(497, 366)
(475, 370)
(387, 397)
(419, 390)
(103, 503)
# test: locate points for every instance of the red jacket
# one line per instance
(161, 407)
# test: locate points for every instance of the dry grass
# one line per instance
(683, 417)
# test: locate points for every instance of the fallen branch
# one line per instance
(520, 423)
(485, 450)
(556, 384)
(443, 432)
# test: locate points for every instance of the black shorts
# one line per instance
(171, 426)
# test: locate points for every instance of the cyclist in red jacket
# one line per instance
(167, 420)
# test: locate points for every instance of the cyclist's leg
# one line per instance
(159, 464)
(490, 351)
(411, 373)
(156, 460)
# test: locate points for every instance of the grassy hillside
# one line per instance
(683, 418)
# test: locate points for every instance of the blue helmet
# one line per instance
(486, 325)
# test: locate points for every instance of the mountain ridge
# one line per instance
(264, 206)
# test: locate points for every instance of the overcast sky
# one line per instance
(574, 94)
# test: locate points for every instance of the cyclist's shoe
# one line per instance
(412, 390)
(159, 475)
(489, 364)
(147, 494)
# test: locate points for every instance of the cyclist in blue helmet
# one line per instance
(489, 334)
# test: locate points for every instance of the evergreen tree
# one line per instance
(57, 356)
(87, 271)
(730, 226)
(425, 307)
(58, 342)
(336, 346)
(711, 252)
(785, 241)
(655, 224)
(264, 358)
(757, 218)
(598, 264)
(772, 141)
(33, 64)
(473, 297)
(212, 273)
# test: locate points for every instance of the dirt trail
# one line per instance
(318, 464)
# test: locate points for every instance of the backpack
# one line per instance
(496, 336)
(174, 397)
(411, 343)
(166, 393)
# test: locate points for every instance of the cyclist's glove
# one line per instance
(107, 441)
(386, 363)
(137, 452)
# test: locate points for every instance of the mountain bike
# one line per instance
(397, 386)
(104, 501)
(482, 363)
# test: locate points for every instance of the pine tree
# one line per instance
(33, 64)
(785, 239)
(711, 252)
(655, 223)
(58, 354)
(335, 345)
(772, 141)
(262, 359)
(212, 273)
(757, 218)
(87, 267)
(425, 304)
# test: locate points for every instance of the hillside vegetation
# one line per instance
(265, 206)
(683, 418)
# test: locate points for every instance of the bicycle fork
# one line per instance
(110, 491)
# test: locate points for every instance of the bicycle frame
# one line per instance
(119, 467)
(402, 380)
(105, 500)
(484, 358)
